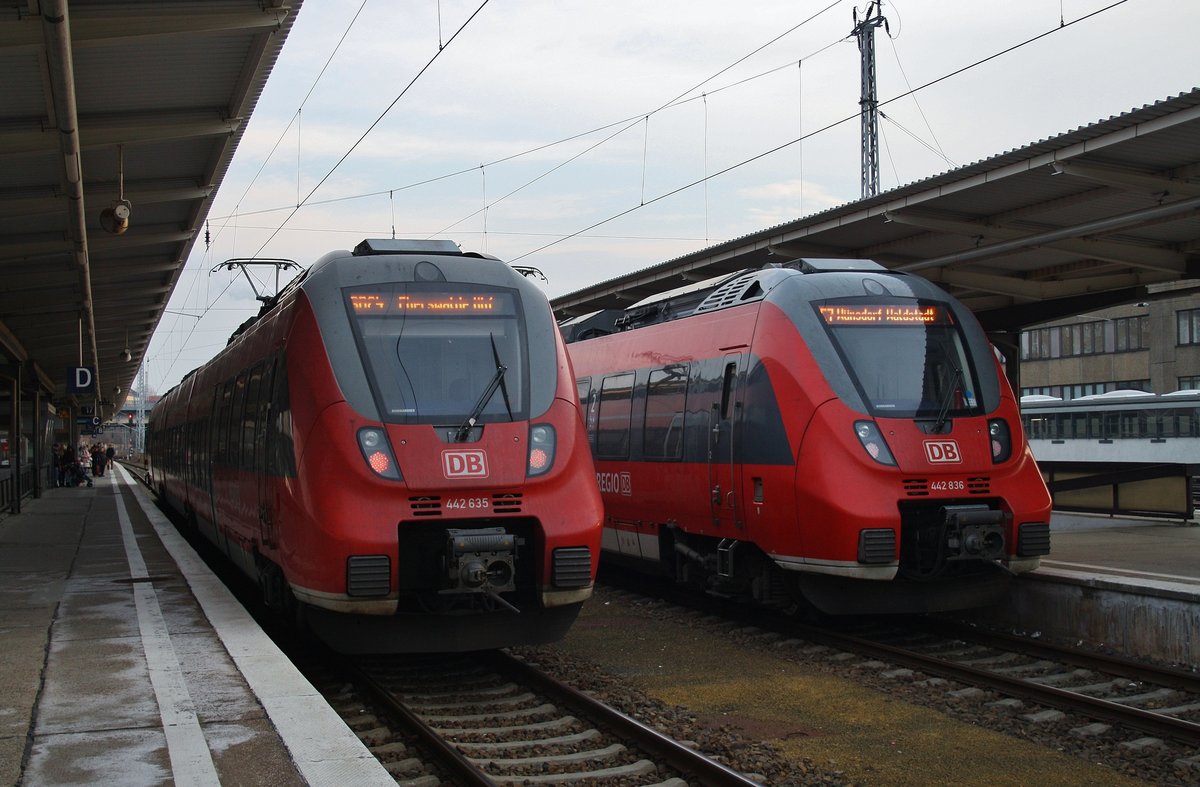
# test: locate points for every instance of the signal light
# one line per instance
(379, 462)
(1000, 438)
(872, 441)
(541, 449)
(378, 454)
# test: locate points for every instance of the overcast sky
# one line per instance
(585, 138)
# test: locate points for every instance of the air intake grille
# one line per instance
(572, 567)
(1033, 538)
(738, 290)
(979, 486)
(507, 503)
(877, 545)
(368, 575)
(428, 505)
(916, 487)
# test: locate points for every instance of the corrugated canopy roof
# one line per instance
(1093, 217)
(102, 101)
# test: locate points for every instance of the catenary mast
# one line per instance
(864, 31)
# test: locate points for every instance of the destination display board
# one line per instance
(883, 314)
(430, 303)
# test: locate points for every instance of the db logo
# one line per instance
(942, 452)
(464, 464)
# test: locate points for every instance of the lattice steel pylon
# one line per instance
(864, 31)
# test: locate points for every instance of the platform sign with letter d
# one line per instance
(81, 380)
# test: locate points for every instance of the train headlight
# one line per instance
(541, 449)
(378, 453)
(1000, 438)
(873, 442)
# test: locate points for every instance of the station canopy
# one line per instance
(1102, 215)
(118, 121)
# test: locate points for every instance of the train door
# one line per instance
(722, 473)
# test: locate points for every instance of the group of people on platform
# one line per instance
(72, 466)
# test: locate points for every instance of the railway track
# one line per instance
(1157, 701)
(1130, 710)
(492, 719)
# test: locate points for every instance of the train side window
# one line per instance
(583, 390)
(221, 407)
(727, 388)
(666, 393)
(235, 420)
(283, 451)
(615, 415)
(250, 415)
(262, 447)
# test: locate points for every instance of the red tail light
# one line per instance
(378, 453)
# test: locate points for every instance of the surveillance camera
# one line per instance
(115, 218)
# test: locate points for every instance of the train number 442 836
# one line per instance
(948, 486)
(473, 503)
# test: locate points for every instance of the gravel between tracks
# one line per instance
(785, 716)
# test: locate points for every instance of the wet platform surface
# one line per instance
(125, 661)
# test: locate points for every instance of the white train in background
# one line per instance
(1118, 426)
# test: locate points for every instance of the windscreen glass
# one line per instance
(906, 357)
(441, 352)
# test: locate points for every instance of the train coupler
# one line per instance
(973, 532)
(481, 561)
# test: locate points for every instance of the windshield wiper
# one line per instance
(464, 430)
(497, 380)
(503, 384)
(956, 382)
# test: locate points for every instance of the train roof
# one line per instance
(718, 292)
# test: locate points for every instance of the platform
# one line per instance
(125, 661)
(1130, 586)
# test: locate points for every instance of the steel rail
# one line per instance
(697, 767)
(462, 769)
(1147, 721)
(1168, 677)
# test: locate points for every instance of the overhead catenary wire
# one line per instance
(623, 122)
(823, 129)
(300, 202)
(801, 136)
(375, 123)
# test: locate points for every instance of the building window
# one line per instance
(1188, 323)
(1035, 344)
(1189, 383)
(1133, 333)
(1093, 338)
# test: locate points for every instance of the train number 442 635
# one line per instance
(474, 503)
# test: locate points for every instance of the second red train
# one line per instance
(827, 433)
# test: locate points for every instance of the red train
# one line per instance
(824, 433)
(393, 449)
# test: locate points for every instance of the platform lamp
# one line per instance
(126, 355)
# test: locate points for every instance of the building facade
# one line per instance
(1152, 346)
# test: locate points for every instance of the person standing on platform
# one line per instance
(109, 454)
(57, 467)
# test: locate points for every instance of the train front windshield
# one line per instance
(907, 358)
(437, 353)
